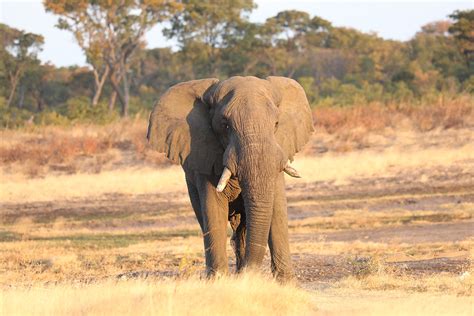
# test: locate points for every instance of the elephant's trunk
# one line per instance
(258, 220)
(257, 169)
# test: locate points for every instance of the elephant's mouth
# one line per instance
(227, 174)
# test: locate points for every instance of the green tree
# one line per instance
(204, 28)
(84, 21)
(463, 31)
(19, 49)
(245, 52)
(158, 69)
(433, 58)
(288, 39)
(110, 32)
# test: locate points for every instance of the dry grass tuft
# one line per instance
(243, 295)
(373, 273)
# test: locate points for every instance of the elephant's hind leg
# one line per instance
(237, 222)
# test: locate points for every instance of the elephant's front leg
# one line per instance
(214, 210)
(278, 238)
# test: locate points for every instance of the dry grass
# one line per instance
(245, 295)
(360, 164)
(369, 220)
(385, 252)
(391, 303)
(444, 113)
(123, 181)
(332, 167)
(40, 151)
(460, 285)
(355, 127)
(93, 258)
(373, 273)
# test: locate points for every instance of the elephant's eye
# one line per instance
(225, 126)
(276, 126)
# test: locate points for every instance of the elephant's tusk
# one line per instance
(223, 180)
(289, 170)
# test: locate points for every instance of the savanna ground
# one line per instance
(382, 222)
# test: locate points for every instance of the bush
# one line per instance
(51, 118)
(468, 85)
(12, 117)
(79, 109)
(76, 110)
(308, 85)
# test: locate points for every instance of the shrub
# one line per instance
(51, 118)
(12, 117)
(79, 109)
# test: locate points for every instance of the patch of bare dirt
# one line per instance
(417, 233)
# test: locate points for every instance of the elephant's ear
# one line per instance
(180, 126)
(295, 121)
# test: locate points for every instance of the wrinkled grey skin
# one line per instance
(253, 127)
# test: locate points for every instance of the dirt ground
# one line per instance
(405, 212)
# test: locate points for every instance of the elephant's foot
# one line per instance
(282, 273)
(216, 274)
(284, 277)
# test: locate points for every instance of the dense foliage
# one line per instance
(337, 66)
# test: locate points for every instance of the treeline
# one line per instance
(337, 66)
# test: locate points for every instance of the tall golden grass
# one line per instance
(244, 295)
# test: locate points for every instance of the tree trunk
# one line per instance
(291, 72)
(39, 104)
(126, 94)
(113, 96)
(112, 100)
(115, 84)
(14, 82)
(99, 85)
(21, 100)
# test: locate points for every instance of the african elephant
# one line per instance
(234, 138)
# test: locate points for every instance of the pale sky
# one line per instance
(393, 19)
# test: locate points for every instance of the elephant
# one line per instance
(234, 140)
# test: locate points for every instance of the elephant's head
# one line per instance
(245, 127)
